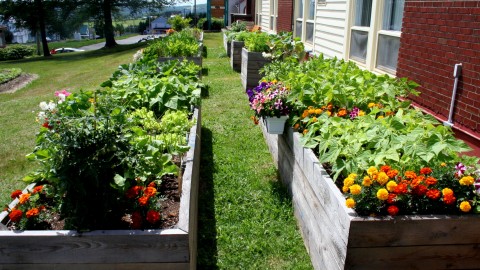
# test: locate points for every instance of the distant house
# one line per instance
(159, 25)
(84, 31)
(20, 35)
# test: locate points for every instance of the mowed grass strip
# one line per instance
(246, 216)
(72, 71)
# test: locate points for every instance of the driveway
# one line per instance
(129, 40)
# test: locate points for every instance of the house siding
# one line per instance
(265, 23)
(436, 35)
(330, 23)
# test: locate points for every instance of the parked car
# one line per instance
(66, 50)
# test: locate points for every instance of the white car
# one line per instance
(66, 50)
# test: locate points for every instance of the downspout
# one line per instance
(457, 72)
(226, 15)
(209, 14)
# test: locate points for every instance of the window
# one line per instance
(258, 12)
(273, 14)
(375, 33)
(305, 20)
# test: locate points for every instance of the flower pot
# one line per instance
(114, 249)
(252, 62)
(336, 237)
(275, 125)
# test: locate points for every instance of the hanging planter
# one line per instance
(275, 125)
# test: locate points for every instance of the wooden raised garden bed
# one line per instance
(337, 238)
(115, 249)
(236, 55)
(252, 62)
(227, 44)
(195, 59)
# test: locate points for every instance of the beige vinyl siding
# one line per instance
(265, 23)
(330, 23)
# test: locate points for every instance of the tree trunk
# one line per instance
(108, 28)
(41, 22)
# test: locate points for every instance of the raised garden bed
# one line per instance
(115, 249)
(252, 62)
(236, 55)
(227, 44)
(337, 238)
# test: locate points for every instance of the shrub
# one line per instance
(216, 24)
(178, 23)
(15, 52)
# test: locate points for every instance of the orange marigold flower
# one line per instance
(431, 181)
(389, 113)
(311, 111)
(305, 114)
(392, 173)
(329, 106)
(16, 194)
(410, 175)
(296, 126)
(391, 185)
(152, 184)
(314, 119)
(143, 200)
(382, 178)
(350, 203)
(433, 194)
(392, 210)
(443, 164)
(137, 220)
(133, 192)
(342, 112)
(465, 206)
(32, 213)
(447, 192)
(318, 111)
(305, 131)
(152, 216)
(401, 188)
(385, 168)
(23, 198)
(449, 199)
(37, 189)
(425, 170)
(382, 194)
(367, 181)
(150, 191)
(392, 198)
(467, 181)
(417, 181)
(15, 215)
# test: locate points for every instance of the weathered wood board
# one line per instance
(115, 249)
(227, 44)
(236, 55)
(252, 62)
(337, 238)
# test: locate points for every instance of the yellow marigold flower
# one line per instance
(443, 164)
(311, 111)
(465, 206)
(274, 81)
(391, 185)
(380, 117)
(447, 192)
(382, 178)
(310, 107)
(329, 113)
(318, 111)
(367, 181)
(352, 175)
(348, 181)
(350, 203)
(371, 105)
(382, 194)
(355, 189)
(361, 113)
(345, 189)
(314, 119)
(467, 181)
(372, 170)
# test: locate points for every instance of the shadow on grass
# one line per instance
(280, 191)
(207, 229)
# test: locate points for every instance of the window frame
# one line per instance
(273, 15)
(304, 21)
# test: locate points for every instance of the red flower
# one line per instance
(431, 180)
(392, 198)
(143, 200)
(385, 168)
(137, 220)
(410, 175)
(32, 212)
(16, 194)
(152, 184)
(133, 192)
(401, 188)
(449, 199)
(433, 194)
(417, 181)
(420, 190)
(392, 173)
(37, 189)
(150, 191)
(425, 171)
(15, 215)
(153, 216)
(392, 210)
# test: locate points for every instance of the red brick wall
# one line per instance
(436, 35)
(284, 18)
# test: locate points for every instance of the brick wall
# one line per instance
(284, 19)
(436, 35)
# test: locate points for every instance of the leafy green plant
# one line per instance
(238, 36)
(238, 26)
(15, 52)
(175, 45)
(9, 74)
(258, 42)
(179, 23)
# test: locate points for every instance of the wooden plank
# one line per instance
(236, 55)
(126, 266)
(417, 257)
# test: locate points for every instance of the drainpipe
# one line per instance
(457, 72)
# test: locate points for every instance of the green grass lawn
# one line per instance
(246, 217)
(72, 71)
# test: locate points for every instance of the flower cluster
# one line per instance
(444, 190)
(145, 202)
(269, 99)
(170, 31)
(51, 107)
